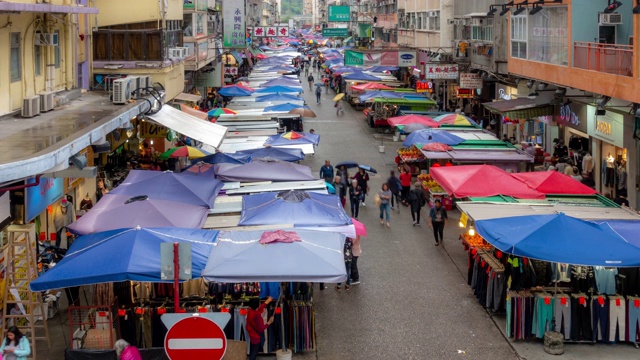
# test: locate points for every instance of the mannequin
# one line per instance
(609, 172)
(63, 217)
(86, 203)
(588, 163)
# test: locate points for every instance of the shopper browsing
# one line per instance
(356, 251)
(438, 217)
(256, 325)
(405, 182)
(126, 351)
(15, 345)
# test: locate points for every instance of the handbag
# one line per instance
(377, 200)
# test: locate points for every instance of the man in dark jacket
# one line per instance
(394, 187)
(417, 200)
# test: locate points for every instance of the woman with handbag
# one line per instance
(385, 197)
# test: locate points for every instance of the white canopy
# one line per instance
(200, 130)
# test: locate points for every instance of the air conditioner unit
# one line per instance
(176, 53)
(610, 19)
(31, 106)
(432, 14)
(144, 82)
(46, 39)
(186, 51)
(134, 86)
(46, 101)
(476, 22)
(121, 91)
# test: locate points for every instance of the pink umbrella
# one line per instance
(412, 119)
(436, 146)
(361, 230)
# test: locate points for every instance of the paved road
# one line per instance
(413, 302)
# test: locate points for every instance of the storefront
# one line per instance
(613, 149)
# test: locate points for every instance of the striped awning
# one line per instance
(523, 108)
(545, 110)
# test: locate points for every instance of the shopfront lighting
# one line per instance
(461, 224)
(521, 8)
(505, 10)
(613, 6)
(492, 10)
(536, 9)
(530, 84)
(472, 231)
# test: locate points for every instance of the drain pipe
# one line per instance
(19, 187)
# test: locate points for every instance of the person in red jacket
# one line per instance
(256, 325)
(405, 182)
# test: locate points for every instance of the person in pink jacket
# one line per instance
(125, 351)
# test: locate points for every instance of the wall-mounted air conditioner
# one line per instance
(121, 91)
(610, 19)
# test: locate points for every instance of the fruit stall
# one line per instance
(434, 191)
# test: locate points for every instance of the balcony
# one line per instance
(607, 58)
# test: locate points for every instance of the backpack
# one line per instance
(310, 78)
(318, 91)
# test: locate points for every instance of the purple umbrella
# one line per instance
(123, 211)
(262, 170)
(281, 81)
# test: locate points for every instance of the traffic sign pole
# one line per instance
(195, 337)
(176, 277)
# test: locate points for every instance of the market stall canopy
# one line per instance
(183, 151)
(124, 211)
(124, 254)
(553, 182)
(293, 137)
(233, 91)
(379, 94)
(286, 107)
(200, 130)
(381, 68)
(481, 180)
(296, 207)
(278, 97)
(200, 169)
(270, 153)
(428, 136)
(492, 210)
(170, 186)
(262, 170)
(221, 157)
(455, 119)
(279, 89)
(360, 76)
(239, 256)
(193, 112)
(371, 86)
(188, 97)
(559, 238)
(281, 81)
(628, 229)
(413, 119)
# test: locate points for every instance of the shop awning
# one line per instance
(200, 130)
(238, 57)
(490, 155)
(522, 108)
(491, 210)
(347, 39)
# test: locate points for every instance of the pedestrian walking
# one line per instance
(355, 195)
(385, 198)
(363, 181)
(417, 200)
(348, 258)
(394, 186)
(318, 95)
(338, 108)
(326, 85)
(405, 182)
(356, 251)
(326, 171)
(310, 80)
(341, 191)
(438, 217)
(306, 71)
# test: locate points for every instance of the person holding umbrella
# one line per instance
(363, 182)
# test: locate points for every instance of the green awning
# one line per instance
(530, 113)
(347, 39)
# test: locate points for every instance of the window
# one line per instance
(434, 20)
(56, 51)
(548, 36)
(37, 60)
(519, 36)
(16, 59)
(482, 30)
(419, 22)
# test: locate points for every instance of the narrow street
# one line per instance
(413, 302)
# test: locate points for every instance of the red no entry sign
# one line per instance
(195, 338)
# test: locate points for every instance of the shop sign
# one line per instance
(470, 81)
(331, 32)
(603, 126)
(465, 93)
(152, 130)
(259, 31)
(234, 26)
(503, 95)
(339, 13)
(568, 117)
(463, 220)
(424, 87)
(384, 58)
(37, 198)
(608, 128)
(441, 71)
(230, 70)
(283, 31)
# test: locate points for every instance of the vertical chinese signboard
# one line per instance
(234, 25)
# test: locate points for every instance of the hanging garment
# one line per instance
(617, 318)
(605, 279)
(600, 317)
(562, 315)
(633, 306)
(542, 315)
(580, 318)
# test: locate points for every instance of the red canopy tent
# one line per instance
(553, 182)
(371, 86)
(413, 119)
(481, 181)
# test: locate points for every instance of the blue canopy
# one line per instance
(278, 97)
(559, 238)
(286, 107)
(124, 254)
(428, 136)
(234, 91)
(283, 154)
(239, 257)
(628, 229)
(279, 89)
(293, 207)
(281, 81)
(379, 94)
(220, 157)
(360, 76)
(286, 139)
(170, 186)
(282, 68)
(380, 68)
